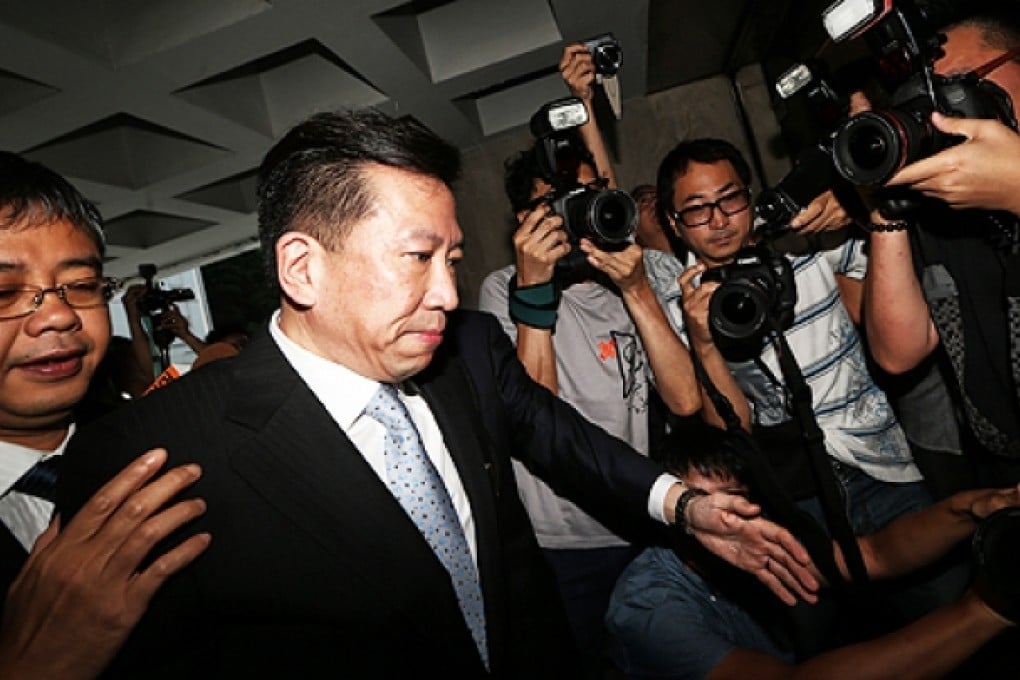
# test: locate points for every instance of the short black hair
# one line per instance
(703, 150)
(312, 180)
(31, 195)
(522, 169)
(997, 20)
(709, 450)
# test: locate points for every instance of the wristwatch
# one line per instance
(685, 499)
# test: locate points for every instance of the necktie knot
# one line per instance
(386, 408)
(41, 479)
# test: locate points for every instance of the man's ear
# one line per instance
(296, 253)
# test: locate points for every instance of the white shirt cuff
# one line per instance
(657, 496)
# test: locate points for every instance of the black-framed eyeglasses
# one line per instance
(22, 300)
(701, 214)
(600, 184)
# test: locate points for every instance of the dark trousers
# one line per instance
(586, 578)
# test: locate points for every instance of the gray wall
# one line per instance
(648, 128)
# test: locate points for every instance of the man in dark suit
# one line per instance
(73, 599)
(368, 384)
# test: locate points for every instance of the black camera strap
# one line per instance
(829, 491)
(775, 498)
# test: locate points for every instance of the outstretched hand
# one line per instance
(732, 527)
(83, 588)
(994, 499)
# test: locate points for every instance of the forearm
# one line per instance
(536, 352)
(919, 538)
(928, 648)
(192, 341)
(592, 137)
(899, 326)
(140, 348)
(668, 357)
(719, 373)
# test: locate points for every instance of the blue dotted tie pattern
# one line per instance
(416, 484)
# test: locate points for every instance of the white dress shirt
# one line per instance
(345, 394)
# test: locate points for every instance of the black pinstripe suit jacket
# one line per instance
(314, 569)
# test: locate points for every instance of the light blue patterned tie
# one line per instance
(416, 484)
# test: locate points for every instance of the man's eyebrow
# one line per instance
(90, 261)
(433, 238)
(723, 188)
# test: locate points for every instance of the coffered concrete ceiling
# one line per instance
(160, 110)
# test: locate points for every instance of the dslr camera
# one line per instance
(157, 300)
(607, 217)
(606, 53)
(869, 147)
(756, 294)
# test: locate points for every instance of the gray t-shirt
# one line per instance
(603, 372)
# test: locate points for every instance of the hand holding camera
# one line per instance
(577, 66)
(980, 172)
(539, 243)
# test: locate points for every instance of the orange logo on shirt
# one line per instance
(607, 350)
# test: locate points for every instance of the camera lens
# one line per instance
(606, 217)
(607, 59)
(868, 148)
(738, 310)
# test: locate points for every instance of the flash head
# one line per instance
(793, 80)
(557, 116)
(846, 18)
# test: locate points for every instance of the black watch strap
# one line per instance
(685, 499)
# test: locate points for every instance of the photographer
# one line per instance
(738, 636)
(595, 336)
(703, 188)
(946, 275)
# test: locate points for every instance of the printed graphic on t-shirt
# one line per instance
(630, 361)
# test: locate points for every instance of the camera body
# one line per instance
(867, 148)
(813, 173)
(607, 217)
(606, 53)
(756, 293)
(157, 300)
(870, 147)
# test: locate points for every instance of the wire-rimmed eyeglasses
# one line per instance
(21, 300)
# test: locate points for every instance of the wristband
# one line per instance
(534, 306)
(898, 225)
(681, 508)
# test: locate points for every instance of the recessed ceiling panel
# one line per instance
(463, 36)
(117, 32)
(125, 151)
(513, 106)
(144, 229)
(235, 193)
(17, 92)
(276, 91)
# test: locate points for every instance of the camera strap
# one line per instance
(829, 491)
(775, 498)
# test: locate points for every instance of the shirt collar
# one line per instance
(342, 392)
